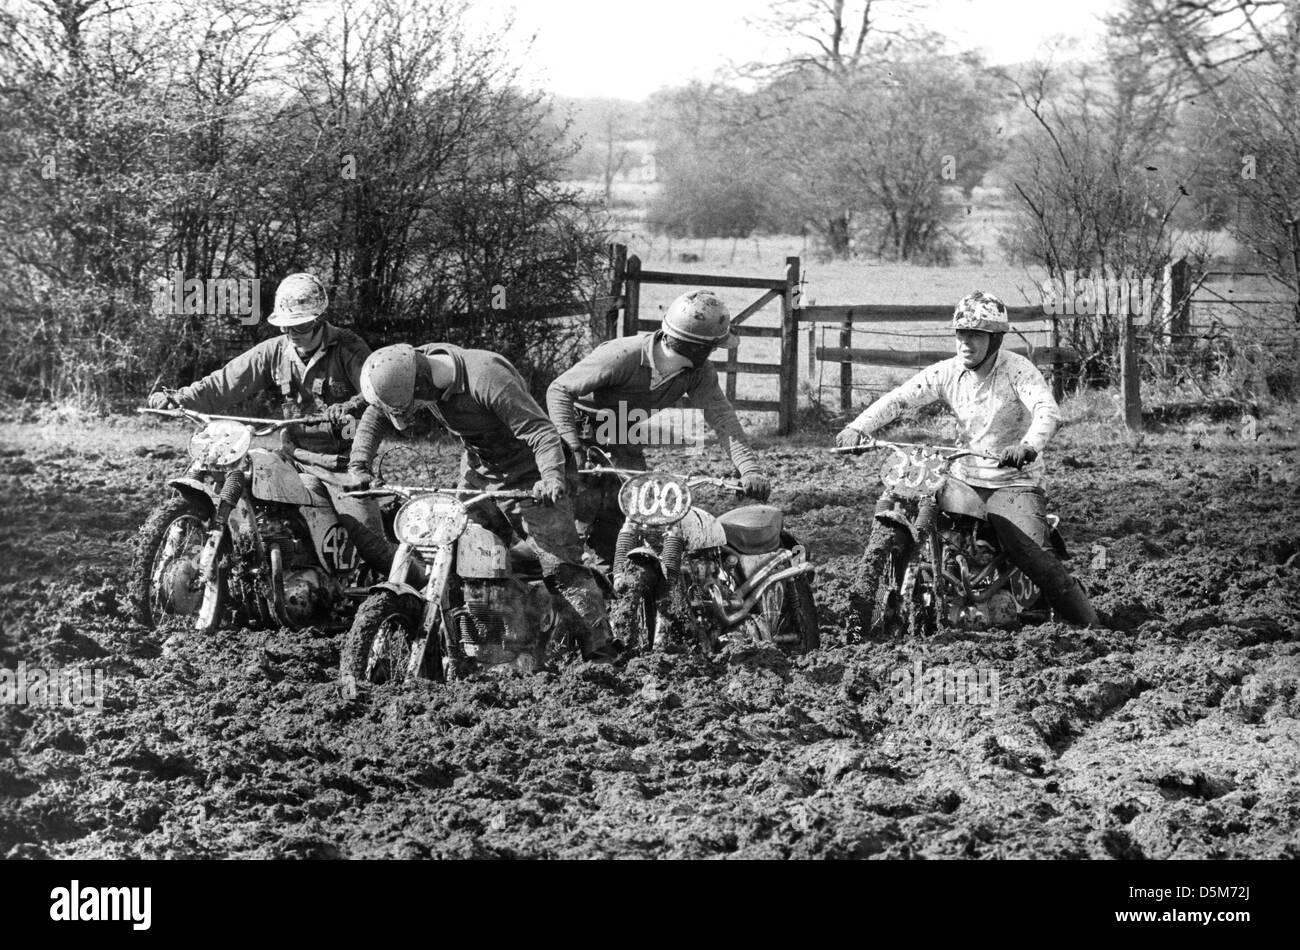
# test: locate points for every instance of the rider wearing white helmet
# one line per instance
(509, 445)
(314, 368)
(1004, 408)
(645, 374)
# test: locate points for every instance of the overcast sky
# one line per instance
(627, 50)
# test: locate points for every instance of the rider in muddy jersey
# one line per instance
(315, 368)
(641, 375)
(1004, 408)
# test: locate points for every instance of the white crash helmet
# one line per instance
(388, 381)
(981, 311)
(299, 299)
(700, 317)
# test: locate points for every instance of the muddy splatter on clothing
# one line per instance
(1012, 404)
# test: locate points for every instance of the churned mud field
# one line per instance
(1175, 733)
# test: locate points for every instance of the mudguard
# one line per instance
(396, 588)
(958, 498)
(195, 490)
(900, 519)
(274, 479)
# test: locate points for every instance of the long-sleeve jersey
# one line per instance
(506, 435)
(330, 375)
(1011, 404)
(621, 375)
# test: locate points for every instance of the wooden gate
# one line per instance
(783, 289)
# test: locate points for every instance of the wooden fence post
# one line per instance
(789, 350)
(846, 369)
(1180, 304)
(632, 287)
(606, 324)
(1129, 380)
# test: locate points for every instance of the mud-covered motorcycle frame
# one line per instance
(227, 486)
(914, 481)
(436, 548)
(662, 546)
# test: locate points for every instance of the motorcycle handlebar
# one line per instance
(408, 491)
(952, 452)
(263, 426)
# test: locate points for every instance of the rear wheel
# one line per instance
(378, 647)
(165, 576)
(799, 628)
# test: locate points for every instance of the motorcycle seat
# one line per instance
(754, 529)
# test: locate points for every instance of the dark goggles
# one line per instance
(697, 353)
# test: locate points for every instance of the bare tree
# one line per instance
(838, 38)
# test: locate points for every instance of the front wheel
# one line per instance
(165, 575)
(632, 612)
(874, 595)
(379, 646)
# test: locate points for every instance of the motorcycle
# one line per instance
(484, 603)
(676, 566)
(246, 530)
(933, 559)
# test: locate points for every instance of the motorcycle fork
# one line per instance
(434, 597)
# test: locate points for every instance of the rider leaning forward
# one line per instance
(315, 369)
(510, 445)
(640, 375)
(1004, 408)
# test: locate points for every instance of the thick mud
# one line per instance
(1173, 733)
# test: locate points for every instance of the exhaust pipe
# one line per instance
(731, 619)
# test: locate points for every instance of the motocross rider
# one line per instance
(1004, 408)
(647, 374)
(316, 369)
(510, 445)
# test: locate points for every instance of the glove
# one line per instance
(1017, 456)
(756, 486)
(339, 413)
(161, 400)
(549, 490)
(850, 437)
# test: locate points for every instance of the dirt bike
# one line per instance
(676, 565)
(933, 559)
(246, 530)
(484, 603)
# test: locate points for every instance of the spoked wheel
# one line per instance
(165, 576)
(379, 647)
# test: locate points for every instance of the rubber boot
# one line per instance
(1073, 606)
(378, 552)
(576, 585)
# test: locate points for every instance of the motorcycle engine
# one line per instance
(510, 618)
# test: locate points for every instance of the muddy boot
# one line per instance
(1072, 604)
(375, 549)
(576, 585)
